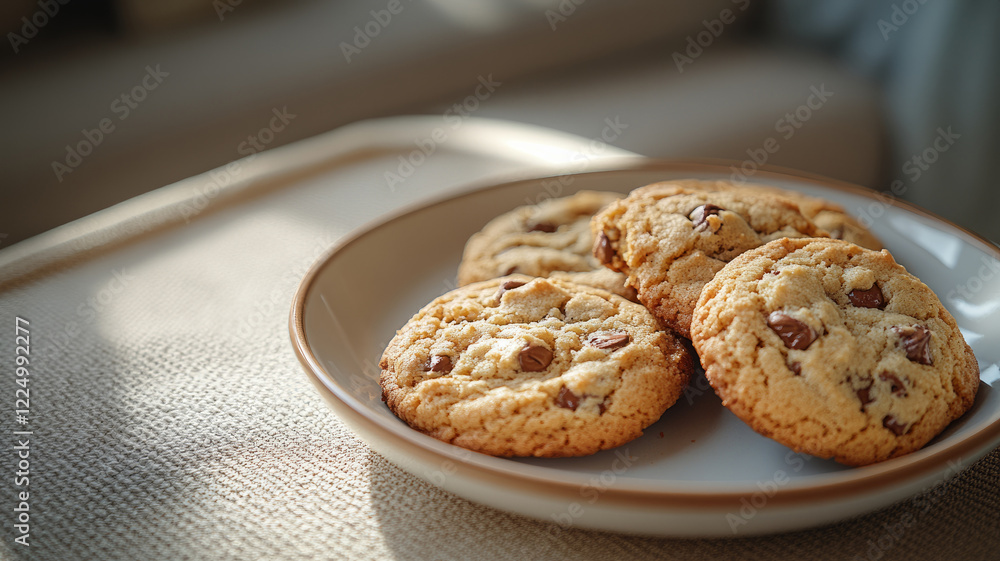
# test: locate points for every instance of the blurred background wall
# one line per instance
(106, 99)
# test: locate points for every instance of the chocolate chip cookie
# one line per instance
(833, 350)
(828, 216)
(522, 366)
(551, 238)
(671, 238)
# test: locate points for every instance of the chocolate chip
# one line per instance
(796, 368)
(602, 249)
(897, 428)
(546, 227)
(567, 399)
(438, 363)
(511, 271)
(895, 384)
(534, 358)
(864, 393)
(871, 298)
(794, 333)
(916, 341)
(609, 341)
(508, 285)
(602, 407)
(700, 215)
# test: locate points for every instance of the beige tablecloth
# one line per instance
(170, 419)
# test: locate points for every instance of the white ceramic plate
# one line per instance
(699, 471)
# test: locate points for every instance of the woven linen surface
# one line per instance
(171, 419)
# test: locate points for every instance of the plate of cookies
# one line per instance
(663, 350)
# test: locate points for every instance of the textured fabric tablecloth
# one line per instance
(170, 419)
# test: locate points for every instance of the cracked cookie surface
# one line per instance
(522, 366)
(833, 350)
(826, 215)
(551, 238)
(671, 238)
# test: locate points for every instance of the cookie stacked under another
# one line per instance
(671, 238)
(826, 215)
(518, 366)
(551, 238)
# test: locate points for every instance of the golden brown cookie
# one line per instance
(671, 238)
(548, 239)
(828, 216)
(833, 350)
(522, 366)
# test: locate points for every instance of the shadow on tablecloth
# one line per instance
(959, 519)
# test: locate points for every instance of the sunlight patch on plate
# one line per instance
(945, 247)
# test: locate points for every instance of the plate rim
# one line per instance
(894, 473)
